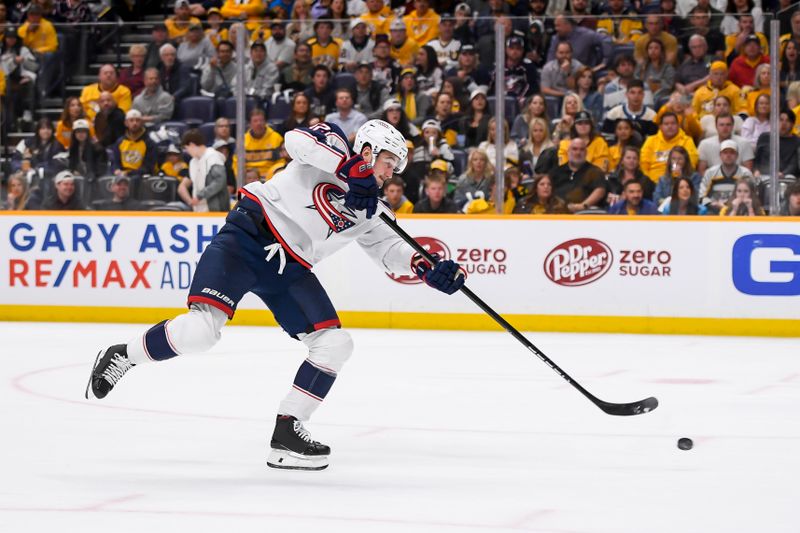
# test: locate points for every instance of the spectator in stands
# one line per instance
(321, 92)
(559, 74)
(301, 28)
(538, 154)
(432, 146)
(154, 103)
(446, 45)
(683, 200)
(435, 200)
(655, 30)
(737, 9)
(485, 205)
(761, 87)
(744, 202)
(65, 197)
(627, 170)
(39, 35)
(341, 18)
(393, 114)
(624, 133)
(634, 109)
(263, 146)
(587, 46)
(615, 84)
(109, 123)
(206, 187)
(403, 48)
(789, 149)
(581, 184)
(429, 73)
(656, 148)
(721, 105)
(585, 88)
(622, 26)
(87, 157)
(121, 199)
(734, 42)
(422, 22)
(596, 147)
(719, 181)
(239, 9)
(708, 150)
(40, 150)
(280, 50)
(159, 37)
(535, 106)
(370, 94)
(299, 116)
(681, 105)
(475, 122)
(475, 181)
(18, 192)
(521, 76)
(656, 72)
(791, 204)
(693, 72)
(20, 68)
(133, 77)
(571, 105)
(790, 64)
(700, 24)
(179, 24)
(196, 49)
(297, 74)
(134, 154)
(216, 31)
(175, 77)
(510, 150)
(393, 194)
(464, 28)
(717, 85)
(385, 69)
(469, 71)
(415, 104)
(442, 112)
(261, 76)
(376, 17)
(107, 82)
(218, 75)
(222, 131)
(743, 68)
(633, 202)
(345, 116)
(325, 50)
(541, 200)
(679, 166)
(757, 124)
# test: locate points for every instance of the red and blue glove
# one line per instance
(446, 276)
(363, 187)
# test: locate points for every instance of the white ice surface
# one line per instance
(430, 431)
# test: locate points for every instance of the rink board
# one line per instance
(600, 273)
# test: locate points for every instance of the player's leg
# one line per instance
(222, 277)
(306, 313)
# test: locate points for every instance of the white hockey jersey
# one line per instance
(304, 205)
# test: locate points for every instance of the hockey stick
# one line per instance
(618, 409)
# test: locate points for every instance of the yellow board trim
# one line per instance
(761, 327)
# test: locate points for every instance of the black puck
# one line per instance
(685, 443)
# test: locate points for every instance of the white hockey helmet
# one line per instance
(381, 135)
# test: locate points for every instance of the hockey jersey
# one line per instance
(304, 205)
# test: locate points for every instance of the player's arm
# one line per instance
(322, 145)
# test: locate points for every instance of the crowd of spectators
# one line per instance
(640, 107)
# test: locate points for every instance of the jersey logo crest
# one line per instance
(328, 202)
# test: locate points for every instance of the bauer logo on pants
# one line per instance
(433, 246)
(578, 262)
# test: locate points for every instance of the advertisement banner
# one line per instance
(569, 271)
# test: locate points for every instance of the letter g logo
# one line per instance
(767, 265)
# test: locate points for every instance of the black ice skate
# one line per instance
(109, 367)
(293, 448)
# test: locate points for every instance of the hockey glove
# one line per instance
(446, 276)
(363, 193)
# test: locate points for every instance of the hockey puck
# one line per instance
(685, 443)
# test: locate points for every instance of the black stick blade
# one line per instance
(629, 409)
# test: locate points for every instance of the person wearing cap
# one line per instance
(597, 152)
(717, 85)
(205, 188)
(377, 17)
(521, 76)
(719, 181)
(86, 157)
(358, 48)
(325, 49)
(385, 70)
(132, 77)
(743, 68)
(656, 148)
(745, 28)
(445, 45)
(215, 31)
(471, 74)
(107, 82)
(403, 47)
(394, 115)
(260, 75)
(239, 9)
(179, 23)
(196, 49)
(588, 46)
(558, 74)
(174, 165)
(219, 73)
(121, 200)
(280, 49)
(415, 104)
(158, 38)
(154, 103)
(422, 23)
(134, 154)
(369, 94)
(263, 146)
(65, 197)
(436, 200)
(347, 118)
(654, 29)
(709, 148)
(393, 190)
(432, 146)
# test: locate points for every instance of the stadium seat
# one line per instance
(553, 105)
(177, 126)
(227, 107)
(101, 189)
(511, 109)
(195, 110)
(459, 162)
(160, 188)
(279, 109)
(344, 79)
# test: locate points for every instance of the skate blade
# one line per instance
(286, 460)
(89, 385)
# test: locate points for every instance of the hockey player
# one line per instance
(324, 199)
